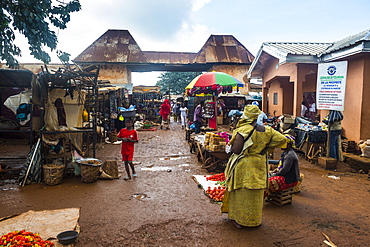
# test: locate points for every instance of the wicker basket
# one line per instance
(53, 174)
(112, 137)
(89, 169)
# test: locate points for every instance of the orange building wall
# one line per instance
(283, 70)
(288, 95)
(351, 123)
(275, 88)
(365, 120)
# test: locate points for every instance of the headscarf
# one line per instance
(250, 114)
(290, 140)
(165, 109)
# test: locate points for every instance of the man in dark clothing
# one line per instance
(198, 118)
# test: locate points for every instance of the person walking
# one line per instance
(198, 116)
(164, 112)
(175, 109)
(183, 115)
(246, 170)
(129, 137)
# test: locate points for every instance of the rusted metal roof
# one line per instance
(170, 57)
(114, 46)
(223, 49)
(118, 46)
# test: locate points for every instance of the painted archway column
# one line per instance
(298, 92)
(265, 92)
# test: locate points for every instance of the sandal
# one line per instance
(236, 224)
(126, 178)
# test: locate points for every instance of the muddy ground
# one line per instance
(175, 212)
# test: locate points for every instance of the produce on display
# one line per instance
(216, 177)
(23, 238)
(217, 193)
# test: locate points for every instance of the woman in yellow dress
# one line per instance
(246, 171)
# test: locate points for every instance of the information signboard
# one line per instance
(331, 85)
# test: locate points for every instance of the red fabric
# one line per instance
(165, 109)
(127, 157)
(277, 183)
(128, 147)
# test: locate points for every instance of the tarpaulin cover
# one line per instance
(47, 223)
(201, 180)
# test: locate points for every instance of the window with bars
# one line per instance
(275, 98)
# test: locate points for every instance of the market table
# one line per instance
(311, 142)
(211, 160)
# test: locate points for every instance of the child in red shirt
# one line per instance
(129, 137)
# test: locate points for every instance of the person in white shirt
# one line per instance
(183, 115)
(303, 109)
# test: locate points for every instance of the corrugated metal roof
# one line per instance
(349, 41)
(115, 46)
(299, 48)
(224, 49)
(170, 57)
(118, 46)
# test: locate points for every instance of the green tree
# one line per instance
(175, 82)
(34, 19)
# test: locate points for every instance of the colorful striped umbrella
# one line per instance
(214, 78)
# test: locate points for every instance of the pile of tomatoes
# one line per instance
(216, 177)
(217, 193)
(23, 238)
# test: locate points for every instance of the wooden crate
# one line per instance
(327, 163)
(281, 198)
(348, 146)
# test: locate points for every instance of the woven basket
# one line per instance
(111, 168)
(89, 169)
(53, 174)
(112, 137)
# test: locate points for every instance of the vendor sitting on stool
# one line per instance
(287, 174)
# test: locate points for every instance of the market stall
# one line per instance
(210, 150)
(311, 138)
(211, 84)
(148, 100)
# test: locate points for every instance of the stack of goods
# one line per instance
(215, 143)
(207, 137)
(348, 146)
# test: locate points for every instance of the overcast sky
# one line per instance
(185, 25)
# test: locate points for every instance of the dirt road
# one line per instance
(170, 210)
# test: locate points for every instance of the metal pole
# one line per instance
(29, 166)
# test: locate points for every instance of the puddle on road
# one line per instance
(158, 168)
(139, 196)
(184, 165)
(9, 184)
(174, 158)
(164, 168)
